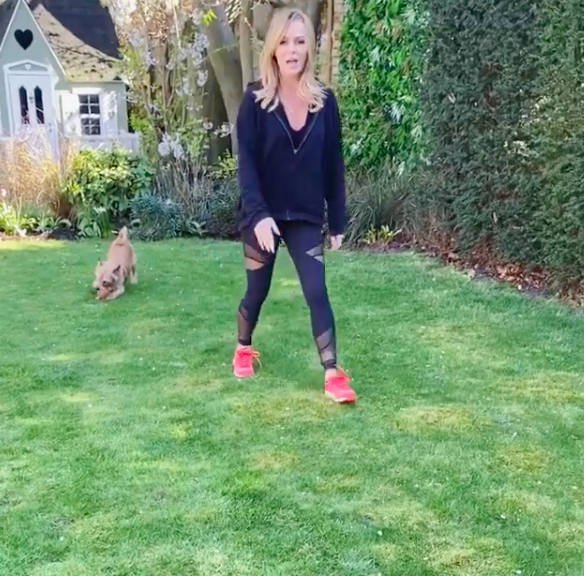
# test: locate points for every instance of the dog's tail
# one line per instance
(122, 236)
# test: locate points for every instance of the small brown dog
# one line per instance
(111, 275)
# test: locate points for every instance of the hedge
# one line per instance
(480, 87)
(496, 92)
(502, 98)
(552, 234)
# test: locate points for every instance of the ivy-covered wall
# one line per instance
(380, 64)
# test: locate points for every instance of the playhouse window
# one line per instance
(90, 114)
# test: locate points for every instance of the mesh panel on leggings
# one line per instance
(317, 254)
(244, 328)
(327, 349)
(254, 260)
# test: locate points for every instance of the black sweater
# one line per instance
(290, 175)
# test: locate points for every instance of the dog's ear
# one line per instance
(117, 270)
(98, 266)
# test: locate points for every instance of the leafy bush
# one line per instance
(13, 222)
(100, 185)
(189, 203)
(489, 96)
(156, 218)
(375, 199)
(225, 168)
(501, 105)
(217, 208)
(381, 61)
(179, 182)
(17, 220)
(383, 236)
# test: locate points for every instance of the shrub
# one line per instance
(488, 95)
(206, 201)
(31, 174)
(12, 221)
(375, 199)
(381, 61)
(179, 183)
(100, 185)
(479, 91)
(18, 220)
(550, 230)
(156, 218)
(218, 208)
(501, 104)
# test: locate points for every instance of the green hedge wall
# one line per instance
(502, 106)
(552, 234)
(479, 89)
(482, 101)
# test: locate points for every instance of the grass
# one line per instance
(126, 447)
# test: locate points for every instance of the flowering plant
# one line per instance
(164, 49)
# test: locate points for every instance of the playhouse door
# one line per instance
(32, 109)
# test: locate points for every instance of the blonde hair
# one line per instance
(309, 87)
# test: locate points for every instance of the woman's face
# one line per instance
(292, 53)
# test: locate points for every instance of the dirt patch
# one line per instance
(385, 248)
(58, 234)
(428, 419)
(482, 266)
(64, 234)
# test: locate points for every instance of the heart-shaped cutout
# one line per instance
(24, 38)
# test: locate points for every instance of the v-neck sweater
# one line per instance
(298, 135)
(287, 174)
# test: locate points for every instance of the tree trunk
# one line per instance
(330, 16)
(313, 9)
(245, 41)
(214, 110)
(224, 57)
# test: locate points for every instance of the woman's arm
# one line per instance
(335, 196)
(253, 204)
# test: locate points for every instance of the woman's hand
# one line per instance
(336, 241)
(265, 230)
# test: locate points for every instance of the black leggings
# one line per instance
(305, 245)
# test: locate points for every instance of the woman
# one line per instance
(290, 166)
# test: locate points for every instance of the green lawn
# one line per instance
(127, 448)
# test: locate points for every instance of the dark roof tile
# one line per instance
(80, 32)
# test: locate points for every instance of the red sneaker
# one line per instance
(337, 388)
(243, 362)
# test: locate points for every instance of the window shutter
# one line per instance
(70, 108)
(109, 114)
